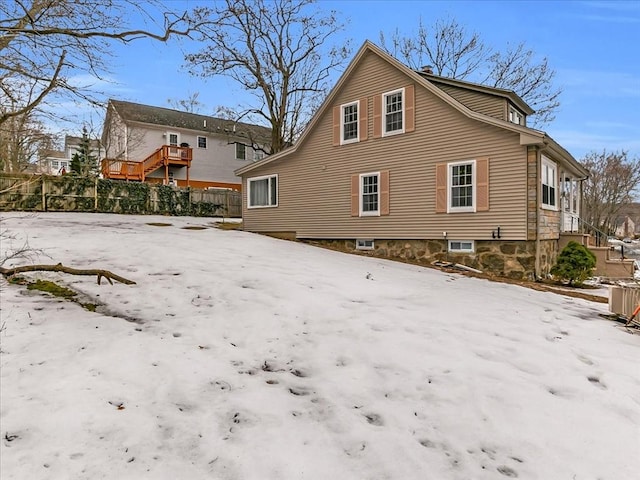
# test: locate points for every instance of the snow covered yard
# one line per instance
(238, 356)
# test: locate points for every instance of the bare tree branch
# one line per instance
(613, 180)
(278, 50)
(452, 51)
(7, 272)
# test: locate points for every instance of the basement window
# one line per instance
(461, 246)
(364, 244)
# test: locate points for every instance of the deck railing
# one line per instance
(132, 170)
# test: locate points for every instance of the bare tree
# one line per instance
(447, 47)
(23, 141)
(612, 183)
(517, 69)
(453, 51)
(277, 50)
(191, 104)
(42, 42)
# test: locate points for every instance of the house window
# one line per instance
(55, 164)
(462, 246)
(370, 194)
(202, 142)
(393, 118)
(258, 155)
(364, 244)
(263, 191)
(349, 123)
(461, 187)
(241, 151)
(549, 184)
(174, 138)
(515, 116)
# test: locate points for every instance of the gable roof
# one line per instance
(528, 136)
(166, 117)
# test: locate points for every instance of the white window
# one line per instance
(364, 244)
(461, 184)
(393, 112)
(173, 139)
(262, 191)
(258, 155)
(241, 151)
(349, 123)
(55, 164)
(515, 116)
(549, 184)
(370, 194)
(463, 246)
(202, 142)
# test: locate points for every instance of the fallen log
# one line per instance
(8, 272)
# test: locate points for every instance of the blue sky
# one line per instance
(593, 46)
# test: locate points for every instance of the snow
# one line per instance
(239, 356)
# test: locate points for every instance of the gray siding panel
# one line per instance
(314, 182)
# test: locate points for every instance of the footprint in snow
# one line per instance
(374, 419)
(596, 381)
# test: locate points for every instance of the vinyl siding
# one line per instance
(485, 103)
(216, 163)
(315, 181)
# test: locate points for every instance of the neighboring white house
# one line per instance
(58, 162)
(161, 145)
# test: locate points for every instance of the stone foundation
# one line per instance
(512, 259)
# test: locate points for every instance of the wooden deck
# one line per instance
(134, 171)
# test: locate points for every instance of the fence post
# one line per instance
(226, 199)
(44, 196)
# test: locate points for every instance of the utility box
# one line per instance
(623, 300)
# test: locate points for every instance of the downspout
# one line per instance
(538, 187)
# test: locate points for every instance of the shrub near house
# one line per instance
(575, 264)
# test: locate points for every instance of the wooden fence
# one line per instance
(68, 193)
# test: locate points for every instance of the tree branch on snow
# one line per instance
(8, 272)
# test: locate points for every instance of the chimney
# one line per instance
(427, 69)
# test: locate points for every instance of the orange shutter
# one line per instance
(384, 192)
(377, 116)
(410, 108)
(363, 119)
(355, 195)
(441, 188)
(482, 181)
(336, 126)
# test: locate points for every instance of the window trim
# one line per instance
(177, 134)
(386, 133)
(514, 111)
(372, 213)
(263, 177)
(361, 244)
(237, 145)
(471, 249)
(357, 122)
(546, 162)
(206, 143)
(474, 187)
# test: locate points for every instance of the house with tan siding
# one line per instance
(162, 145)
(405, 164)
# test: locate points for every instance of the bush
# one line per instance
(575, 264)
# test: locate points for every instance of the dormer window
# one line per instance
(516, 116)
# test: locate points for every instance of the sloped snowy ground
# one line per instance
(255, 358)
